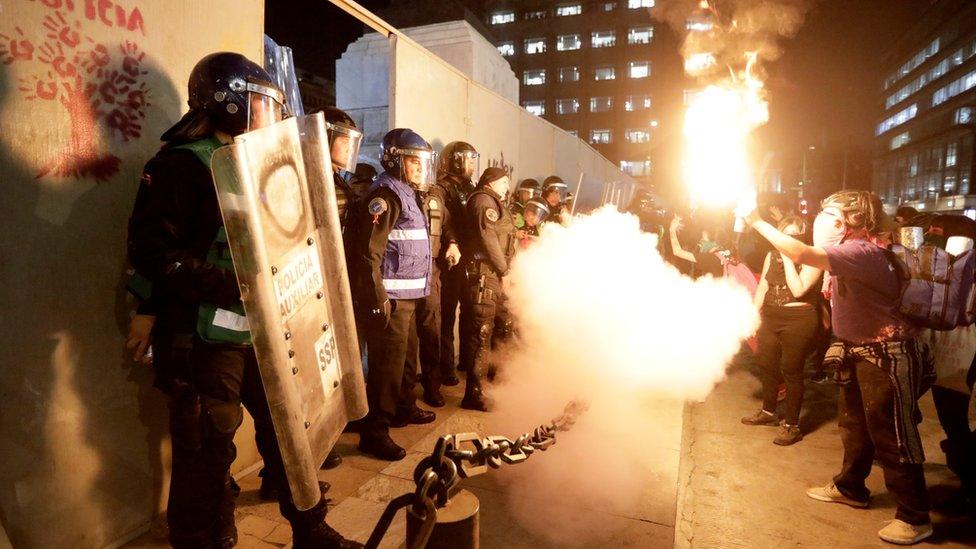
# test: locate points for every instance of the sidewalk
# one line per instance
(362, 486)
(738, 489)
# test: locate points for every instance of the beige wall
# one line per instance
(86, 88)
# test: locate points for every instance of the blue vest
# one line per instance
(406, 264)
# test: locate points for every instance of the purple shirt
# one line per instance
(865, 294)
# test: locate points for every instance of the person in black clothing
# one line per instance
(705, 259)
(446, 254)
(344, 141)
(204, 360)
(487, 245)
(788, 299)
(391, 276)
(458, 164)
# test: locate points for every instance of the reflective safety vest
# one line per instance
(406, 263)
(215, 324)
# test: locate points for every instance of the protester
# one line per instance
(884, 367)
(788, 299)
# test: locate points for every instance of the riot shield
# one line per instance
(288, 265)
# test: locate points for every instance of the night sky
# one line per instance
(824, 90)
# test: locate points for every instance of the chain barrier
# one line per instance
(459, 456)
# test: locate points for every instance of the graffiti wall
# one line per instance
(86, 88)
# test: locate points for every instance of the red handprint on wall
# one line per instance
(103, 88)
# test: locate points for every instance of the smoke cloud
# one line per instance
(730, 29)
(603, 319)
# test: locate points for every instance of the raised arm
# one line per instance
(676, 248)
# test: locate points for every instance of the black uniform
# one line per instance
(455, 191)
(488, 245)
(173, 225)
(428, 325)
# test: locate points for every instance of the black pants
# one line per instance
(453, 284)
(387, 357)
(478, 312)
(426, 343)
(866, 418)
(784, 340)
(203, 420)
(960, 443)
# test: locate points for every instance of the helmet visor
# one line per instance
(344, 146)
(418, 168)
(468, 162)
(524, 194)
(535, 213)
(561, 187)
(265, 106)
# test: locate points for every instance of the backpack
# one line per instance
(937, 289)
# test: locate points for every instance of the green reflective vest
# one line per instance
(215, 324)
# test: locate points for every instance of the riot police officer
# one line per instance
(446, 254)
(487, 247)
(459, 163)
(344, 140)
(527, 189)
(204, 359)
(555, 193)
(536, 212)
(392, 276)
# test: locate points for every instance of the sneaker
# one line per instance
(761, 417)
(831, 494)
(788, 434)
(902, 533)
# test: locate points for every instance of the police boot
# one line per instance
(375, 440)
(416, 416)
(433, 397)
(322, 536)
(225, 535)
(332, 461)
(474, 399)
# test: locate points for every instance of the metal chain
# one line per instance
(438, 476)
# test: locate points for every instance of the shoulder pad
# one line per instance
(491, 214)
(433, 204)
(377, 206)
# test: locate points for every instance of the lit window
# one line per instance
(636, 168)
(900, 140)
(637, 102)
(951, 152)
(698, 62)
(698, 25)
(569, 9)
(567, 106)
(949, 186)
(507, 49)
(601, 104)
(897, 119)
(914, 62)
(535, 77)
(569, 74)
(954, 88)
(537, 108)
(535, 45)
(635, 4)
(567, 42)
(603, 73)
(601, 136)
(964, 115)
(638, 136)
(639, 69)
(640, 35)
(530, 15)
(502, 17)
(603, 39)
(609, 6)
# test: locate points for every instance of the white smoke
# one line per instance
(603, 319)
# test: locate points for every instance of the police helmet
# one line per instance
(232, 94)
(526, 190)
(459, 159)
(538, 208)
(402, 144)
(554, 182)
(344, 138)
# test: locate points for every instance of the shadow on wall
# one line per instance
(81, 428)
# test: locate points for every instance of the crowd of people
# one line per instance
(427, 237)
(829, 299)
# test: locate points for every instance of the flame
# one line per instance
(718, 123)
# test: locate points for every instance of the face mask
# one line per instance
(828, 229)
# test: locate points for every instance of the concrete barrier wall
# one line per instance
(86, 88)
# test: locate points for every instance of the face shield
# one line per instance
(562, 188)
(265, 106)
(524, 194)
(418, 168)
(469, 163)
(535, 213)
(344, 146)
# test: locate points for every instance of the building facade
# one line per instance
(605, 71)
(925, 137)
